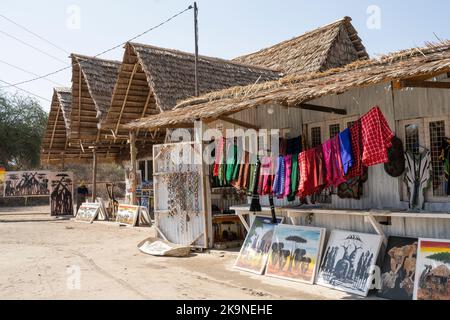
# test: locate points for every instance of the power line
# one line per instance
(34, 34)
(106, 51)
(26, 91)
(27, 71)
(33, 47)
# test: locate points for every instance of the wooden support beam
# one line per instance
(133, 155)
(238, 122)
(424, 84)
(126, 97)
(79, 103)
(94, 175)
(312, 107)
(54, 128)
(145, 108)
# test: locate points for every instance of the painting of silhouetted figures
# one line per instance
(349, 262)
(61, 197)
(399, 269)
(27, 184)
(295, 253)
(432, 270)
(255, 251)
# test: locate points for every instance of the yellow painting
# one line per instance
(295, 253)
(127, 214)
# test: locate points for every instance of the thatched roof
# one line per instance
(56, 145)
(153, 79)
(295, 90)
(331, 46)
(54, 142)
(93, 82)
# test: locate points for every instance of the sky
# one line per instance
(227, 29)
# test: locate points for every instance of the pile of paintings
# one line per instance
(133, 216)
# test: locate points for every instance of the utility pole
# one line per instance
(197, 93)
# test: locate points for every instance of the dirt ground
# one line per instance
(46, 258)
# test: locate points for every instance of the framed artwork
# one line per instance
(2, 180)
(399, 269)
(295, 253)
(61, 196)
(127, 215)
(88, 212)
(255, 251)
(432, 270)
(349, 262)
(27, 184)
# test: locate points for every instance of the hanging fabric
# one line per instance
(241, 179)
(357, 150)
(266, 176)
(231, 161)
(333, 164)
(417, 177)
(376, 136)
(219, 154)
(287, 179)
(346, 150)
(255, 205)
(312, 172)
(353, 188)
(278, 185)
(294, 178)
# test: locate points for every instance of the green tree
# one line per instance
(22, 126)
(443, 257)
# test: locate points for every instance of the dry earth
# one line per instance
(40, 257)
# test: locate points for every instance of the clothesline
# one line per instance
(340, 160)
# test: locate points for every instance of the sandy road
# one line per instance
(40, 259)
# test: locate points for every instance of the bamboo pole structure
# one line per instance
(133, 153)
(94, 174)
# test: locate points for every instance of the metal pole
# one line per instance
(196, 49)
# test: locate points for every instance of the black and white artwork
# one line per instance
(349, 262)
(61, 197)
(27, 184)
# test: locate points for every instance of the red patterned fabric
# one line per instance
(220, 145)
(376, 138)
(312, 172)
(333, 163)
(357, 147)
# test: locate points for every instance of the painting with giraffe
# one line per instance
(349, 262)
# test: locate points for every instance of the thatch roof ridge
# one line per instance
(64, 96)
(184, 53)
(100, 76)
(170, 73)
(309, 51)
(296, 89)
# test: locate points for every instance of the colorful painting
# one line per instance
(2, 180)
(432, 270)
(255, 251)
(349, 262)
(61, 197)
(127, 215)
(88, 212)
(27, 184)
(399, 269)
(295, 253)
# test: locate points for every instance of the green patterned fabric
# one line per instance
(294, 178)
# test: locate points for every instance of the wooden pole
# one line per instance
(133, 154)
(196, 48)
(94, 175)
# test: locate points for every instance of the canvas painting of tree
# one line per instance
(433, 270)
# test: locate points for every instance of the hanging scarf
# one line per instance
(288, 173)
(294, 178)
(231, 162)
